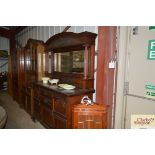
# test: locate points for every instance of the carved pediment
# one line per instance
(69, 40)
(34, 42)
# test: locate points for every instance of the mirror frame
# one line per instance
(68, 42)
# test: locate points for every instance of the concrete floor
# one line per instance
(17, 117)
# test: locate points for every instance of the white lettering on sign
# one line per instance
(152, 44)
(151, 50)
(152, 54)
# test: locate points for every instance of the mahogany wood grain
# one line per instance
(53, 108)
(105, 76)
(89, 116)
(68, 42)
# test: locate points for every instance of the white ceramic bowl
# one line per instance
(54, 81)
(45, 79)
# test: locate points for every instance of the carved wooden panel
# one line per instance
(64, 40)
(59, 122)
(90, 121)
(60, 105)
(89, 117)
(46, 116)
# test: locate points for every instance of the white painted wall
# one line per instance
(45, 32)
(4, 45)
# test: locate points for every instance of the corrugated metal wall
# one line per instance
(4, 45)
(45, 32)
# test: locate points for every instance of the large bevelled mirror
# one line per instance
(69, 62)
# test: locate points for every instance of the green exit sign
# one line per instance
(151, 27)
(151, 50)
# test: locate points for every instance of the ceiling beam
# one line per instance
(18, 29)
(66, 28)
(8, 33)
(5, 33)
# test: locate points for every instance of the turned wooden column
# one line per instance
(92, 57)
(86, 62)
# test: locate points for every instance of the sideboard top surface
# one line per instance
(73, 92)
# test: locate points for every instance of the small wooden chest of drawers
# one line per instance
(89, 116)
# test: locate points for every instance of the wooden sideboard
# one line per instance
(72, 62)
(52, 106)
(66, 56)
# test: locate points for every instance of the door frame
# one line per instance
(123, 37)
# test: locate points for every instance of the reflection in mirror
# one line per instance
(69, 62)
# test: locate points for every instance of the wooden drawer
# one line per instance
(59, 122)
(45, 92)
(46, 102)
(60, 105)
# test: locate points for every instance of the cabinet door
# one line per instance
(47, 117)
(36, 92)
(46, 111)
(23, 99)
(29, 100)
(89, 120)
(60, 105)
(59, 122)
(28, 103)
(37, 109)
